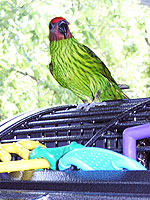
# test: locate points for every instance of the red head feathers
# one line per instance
(57, 19)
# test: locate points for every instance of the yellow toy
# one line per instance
(34, 154)
(20, 148)
(22, 165)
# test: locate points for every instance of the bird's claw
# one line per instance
(82, 106)
(87, 106)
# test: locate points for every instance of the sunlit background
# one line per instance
(118, 31)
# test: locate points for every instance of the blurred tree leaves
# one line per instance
(116, 30)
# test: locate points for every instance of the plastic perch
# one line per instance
(130, 135)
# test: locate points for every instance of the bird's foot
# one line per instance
(82, 106)
(87, 106)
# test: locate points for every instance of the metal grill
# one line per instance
(101, 126)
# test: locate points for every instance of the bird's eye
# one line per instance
(62, 23)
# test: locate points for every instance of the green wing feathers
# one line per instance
(101, 67)
(78, 68)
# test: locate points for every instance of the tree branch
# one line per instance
(26, 74)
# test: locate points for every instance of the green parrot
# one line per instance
(78, 68)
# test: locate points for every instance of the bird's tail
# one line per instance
(123, 86)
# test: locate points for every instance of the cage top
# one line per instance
(66, 123)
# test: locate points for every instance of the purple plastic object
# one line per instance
(130, 135)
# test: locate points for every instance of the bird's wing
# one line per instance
(102, 67)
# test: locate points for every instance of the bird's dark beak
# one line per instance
(63, 28)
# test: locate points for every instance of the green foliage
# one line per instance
(118, 31)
